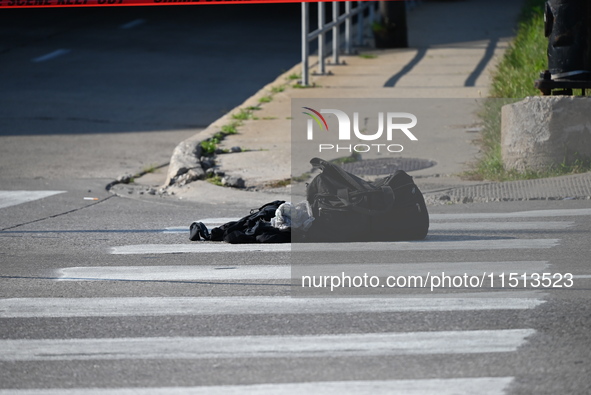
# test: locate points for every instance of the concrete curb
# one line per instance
(186, 164)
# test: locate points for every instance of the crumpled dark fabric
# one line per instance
(253, 228)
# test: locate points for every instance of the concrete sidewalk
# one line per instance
(453, 48)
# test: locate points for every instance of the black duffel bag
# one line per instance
(348, 208)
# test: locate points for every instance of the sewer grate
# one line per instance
(383, 166)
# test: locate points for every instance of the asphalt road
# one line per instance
(95, 91)
(109, 294)
(103, 296)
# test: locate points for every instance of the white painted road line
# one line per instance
(429, 245)
(198, 247)
(518, 214)
(171, 306)
(179, 229)
(423, 245)
(132, 24)
(499, 226)
(327, 346)
(13, 198)
(176, 273)
(51, 55)
(284, 272)
(480, 386)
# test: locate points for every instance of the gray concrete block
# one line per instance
(544, 131)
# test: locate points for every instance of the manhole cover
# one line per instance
(383, 166)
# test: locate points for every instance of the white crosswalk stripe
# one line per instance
(159, 306)
(423, 245)
(284, 272)
(13, 198)
(481, 386)
(513, 215)
(176, 273)
(198, 247)
(499, 226)
(326, 346)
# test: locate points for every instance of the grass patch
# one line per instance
(490, 165)
(231, 128)
(277, 89)
(215, 180)
(368, 56)
(266, 99)
(302, 177)
(209, 147)
(513, 81)
(243, 115)
(300, 86)
(279, 183)
(294, 76)
(149, 169)
(526, 56)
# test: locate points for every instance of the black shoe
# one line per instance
(203, 231)
(194, 231)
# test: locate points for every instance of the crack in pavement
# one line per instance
(57, 215)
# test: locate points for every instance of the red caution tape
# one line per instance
(103, 3)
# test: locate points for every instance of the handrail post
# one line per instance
(360, 25)
(305, 44)
(321, 41)
(348, 33)
(335, 33)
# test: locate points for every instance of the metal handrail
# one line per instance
(337, 20)
(323, 27)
